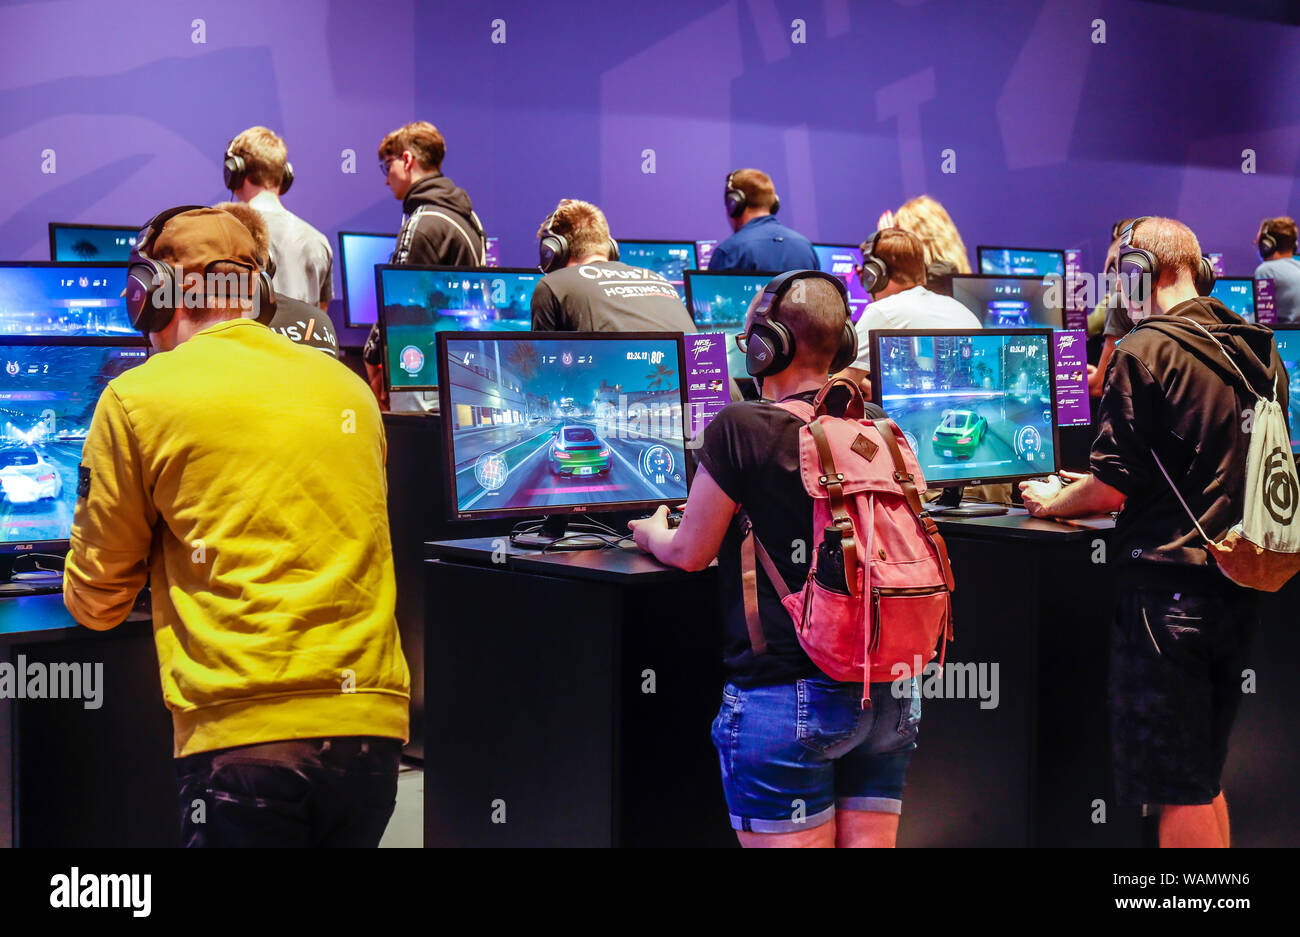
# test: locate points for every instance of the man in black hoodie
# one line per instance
(439, 226)
(1173, 413)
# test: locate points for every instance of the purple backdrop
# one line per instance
(1054, 136)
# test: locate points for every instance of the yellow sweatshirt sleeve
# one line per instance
(112, 527)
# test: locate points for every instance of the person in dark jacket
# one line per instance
(439, 227)
(1173, 429)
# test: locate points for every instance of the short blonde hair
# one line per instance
(928, 220)
(264, 155)
(1171, 242)
(421, 138)
(582, 224)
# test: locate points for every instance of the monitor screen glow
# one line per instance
(359, 254)
(51, 299)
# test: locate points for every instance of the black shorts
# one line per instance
(1176, 661)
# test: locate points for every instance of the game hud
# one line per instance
(47, 398)
(669, 260)
(418, 304)
(976, 406)
(77, 299)
(1238, 294)
(1288, 349)
(1013, 302)
(1013, 261)
(538, 423)
(93, 245)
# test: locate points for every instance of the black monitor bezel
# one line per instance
(436, 268)
(343, 276)
(128, 340)
(448, 452)
(686, 284)
(8, 548)
(979, 258)
(1012, 276)
(1254, 295)
(873, 337)
(54, 225)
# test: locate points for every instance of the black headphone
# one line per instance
(234, 171)
(1137, 267)
(151, 288)
(874, 272)
(737, 201)
(553, 249)
(769, 344)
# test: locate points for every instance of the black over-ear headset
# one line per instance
(769, 344)
(737, 201)
(1267, 243)
(151, 288)
(234, 171)
(553, 249)
(1139, 268)
(874, 272)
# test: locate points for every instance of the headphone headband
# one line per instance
(770, 344)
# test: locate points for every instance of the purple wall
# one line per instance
(1055, 136)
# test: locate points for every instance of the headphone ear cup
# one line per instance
(874, 274)
(770, 349)
(232, 171)
(149, 295)
(286, 180)
(776, 204)
(265, 297)
(613, 249)
(848, 352)
(1205, 276)
(1138, 273)
(1266, 245)
(552, 252)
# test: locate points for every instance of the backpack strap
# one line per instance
(750, 548)
(886, 429)
(833, 481)
(1179, 495)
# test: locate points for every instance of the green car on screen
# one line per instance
(959, 434)
(578, 451)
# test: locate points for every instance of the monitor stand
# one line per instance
(552, 536)
(950, 505)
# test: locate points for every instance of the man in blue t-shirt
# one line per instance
(1276, 242)
(760, 242)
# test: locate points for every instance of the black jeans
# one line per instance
(305, 792)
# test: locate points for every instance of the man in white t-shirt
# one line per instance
(895, 259)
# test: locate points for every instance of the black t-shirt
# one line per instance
(1169, 388)
(608, 296)
(751, 449)
(305, 324)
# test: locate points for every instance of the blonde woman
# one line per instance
(945, 252)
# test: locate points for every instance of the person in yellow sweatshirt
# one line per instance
(243, 476)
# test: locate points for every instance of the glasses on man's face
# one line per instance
(386, 165)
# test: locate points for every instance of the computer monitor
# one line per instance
(843, 261)
(359, 254)
(415, 303)
(1009, 302)
(39, 297)
(718, 301)
(1287, 338)
(98, 243)
(48, 392)
(560, 422)
(1238, 294)
(977, 406)
(1021, 261)
(669, 259)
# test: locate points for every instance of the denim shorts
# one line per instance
(794, 752)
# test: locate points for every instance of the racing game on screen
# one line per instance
(1288, 349)
(47, 398)
(1017, 261)
(1013, 302)
(974, 406)
(670, 260)
(843, 262)
(719, 302)
(1238, 294)
(539, 423)
(72, 299)
(418, 304)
